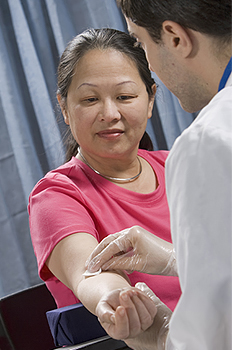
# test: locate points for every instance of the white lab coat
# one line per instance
(199, 190)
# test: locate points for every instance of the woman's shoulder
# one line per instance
(60, 176)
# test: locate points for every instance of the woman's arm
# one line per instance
(67, 263)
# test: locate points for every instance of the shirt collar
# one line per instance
(226, 75)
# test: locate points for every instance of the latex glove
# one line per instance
(126, 313)
(142, 322)
(134, 249)
(156, 336)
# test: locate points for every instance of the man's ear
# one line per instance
(177, 38)
(63, 109)
(151, 101)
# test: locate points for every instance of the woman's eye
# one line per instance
(90, 99)
(125, 97)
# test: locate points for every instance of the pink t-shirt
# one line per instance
(73, 198)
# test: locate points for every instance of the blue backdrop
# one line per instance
(33, 34)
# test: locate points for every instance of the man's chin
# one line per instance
(190, 108)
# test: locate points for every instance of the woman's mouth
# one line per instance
(110, 134)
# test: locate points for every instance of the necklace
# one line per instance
(116, 179)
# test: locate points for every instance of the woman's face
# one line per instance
(107, 104)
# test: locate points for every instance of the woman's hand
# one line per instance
(135, 315)
(134, 249)
(126, 313)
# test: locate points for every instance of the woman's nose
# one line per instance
(109, 111)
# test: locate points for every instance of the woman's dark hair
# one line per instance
(102, 39)
(212, 17)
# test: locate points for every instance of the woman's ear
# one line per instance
(63, 109)
(177, 38)
(151, 101)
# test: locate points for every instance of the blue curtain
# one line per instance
(33, 34)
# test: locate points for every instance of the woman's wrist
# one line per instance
(91, 289)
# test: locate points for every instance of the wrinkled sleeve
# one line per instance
(56, 210)
(199, 179)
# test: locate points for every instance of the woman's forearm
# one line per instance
(91, 289)
(67, 263)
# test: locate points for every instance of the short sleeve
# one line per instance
(56, 210)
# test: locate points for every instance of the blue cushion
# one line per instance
(73, 324)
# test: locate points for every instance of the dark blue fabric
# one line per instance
(226, 75)
(73, 324)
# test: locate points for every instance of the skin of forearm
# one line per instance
(67, 263)
(91, 289)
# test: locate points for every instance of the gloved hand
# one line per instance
(156, 336)
(141, 321)
(134, 249)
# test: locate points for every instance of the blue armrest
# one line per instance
(73, 324)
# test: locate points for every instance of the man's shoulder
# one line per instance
(211, 130)
(218, 113)
(215, 118)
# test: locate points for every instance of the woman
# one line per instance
(106, 95)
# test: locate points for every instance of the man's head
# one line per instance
(211, 17)
(187, 43)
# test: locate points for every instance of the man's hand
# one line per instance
(134, 249)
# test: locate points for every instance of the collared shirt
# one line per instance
(199, 190)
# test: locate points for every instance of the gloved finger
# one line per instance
(101, 246)
(130, 261)
(145, 310)
(145, 289)
(107, 249)
(125, 261)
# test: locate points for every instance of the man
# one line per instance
(188, 45)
